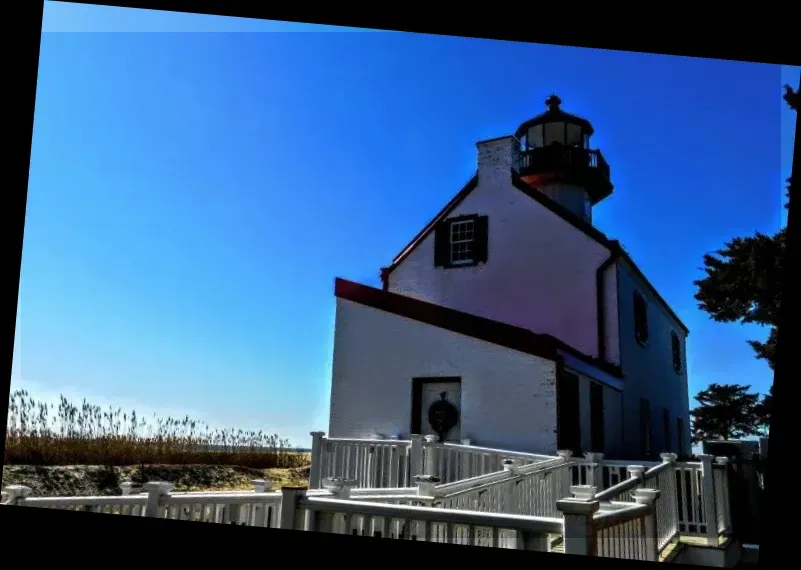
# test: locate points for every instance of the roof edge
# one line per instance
(481, 328)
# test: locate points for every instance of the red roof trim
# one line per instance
(495, 332)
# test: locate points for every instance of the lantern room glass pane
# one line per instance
(573, 135)
(554, 132)
(535, 137)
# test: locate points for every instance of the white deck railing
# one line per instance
(623, 533)
(531, 490)
(377, 463)
(522, 505)
(418, 523)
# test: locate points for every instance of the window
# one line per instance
(676, 348)
(640, 319)
(680, 436)
(645, 427)
(666, 443)
(462, 238)
(461, 241)
(554, 133)
(573, 135)
(534, 138)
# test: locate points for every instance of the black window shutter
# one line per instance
(442, 244)
(482, 238)
(674, 339)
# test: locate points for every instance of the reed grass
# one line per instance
(42, 434)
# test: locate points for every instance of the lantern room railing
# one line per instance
(559, 158)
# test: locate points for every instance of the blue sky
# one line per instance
(194, 191)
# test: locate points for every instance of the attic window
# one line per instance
(461, 241)
(676, 348)
(640, 318)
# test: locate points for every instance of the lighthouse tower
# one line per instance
(556, 158)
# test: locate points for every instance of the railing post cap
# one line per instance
(294, 488)
(162, 486)
(317, 433)
(668, 457)
(430, 438)
(467, 441)
(262, 485)
(416, 437)
(426, 479)
(573, 506)
(594, 456)
(129, 488)
(584, 492)
(721, 460)
(645, 496)
(566, 453)
(706, 457)
(18, 491)
(636, 470)
(337, 483)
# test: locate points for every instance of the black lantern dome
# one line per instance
(555, 147)
(555, 126)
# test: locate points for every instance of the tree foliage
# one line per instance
(763, 410)
(725, 411)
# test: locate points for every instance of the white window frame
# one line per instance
(469, 229)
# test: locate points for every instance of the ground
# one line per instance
(73, 480)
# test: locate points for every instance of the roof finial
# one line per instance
(553, 102)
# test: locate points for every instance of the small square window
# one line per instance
(461, 241)
(675, 345)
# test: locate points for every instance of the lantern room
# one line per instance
(555, 147)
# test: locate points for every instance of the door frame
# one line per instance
(417, 397)
(597, 422)
(561, 378)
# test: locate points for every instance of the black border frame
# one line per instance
(113, 534)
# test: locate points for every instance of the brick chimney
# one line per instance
(496, 159)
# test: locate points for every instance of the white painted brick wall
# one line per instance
(508, 397)
(540, 272)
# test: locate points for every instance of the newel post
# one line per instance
(157, 491)
(129, 488)
(260, 509)
(427, 486)
(565, 475)
(340, 488)
(648, 497)
(315, 474)
(724, 492)
(708, 499)
(512, 467)
(594, 464)
(17, 494)
(466, 460)
(291, 516)
(579, 529)
(416, 455)
(430, 458)
(636, 472)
